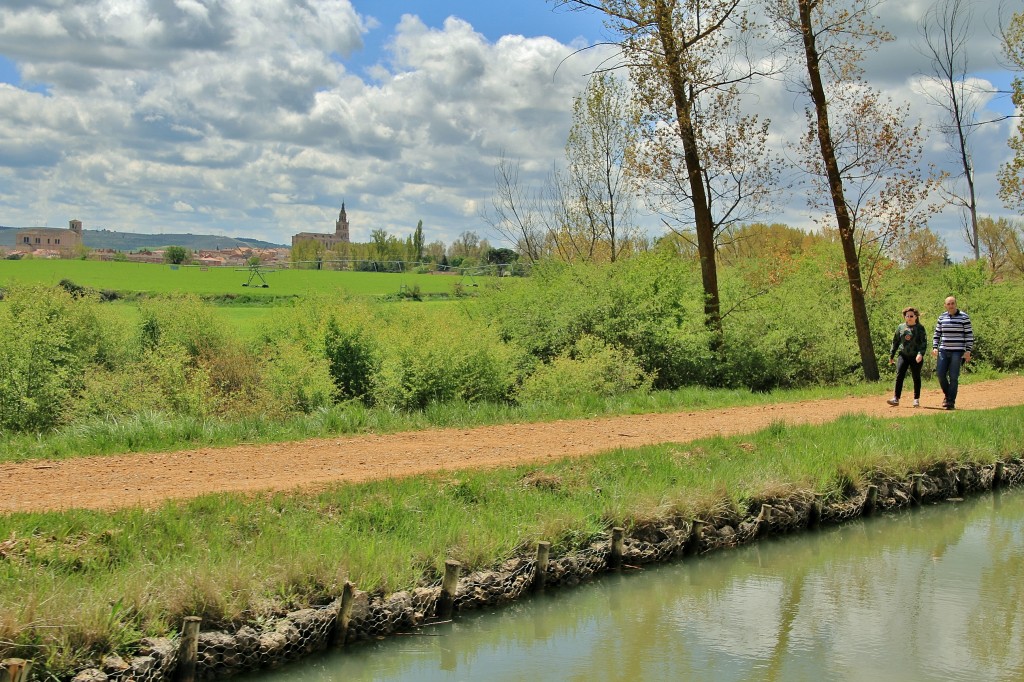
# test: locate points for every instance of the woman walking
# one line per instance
(911, 342)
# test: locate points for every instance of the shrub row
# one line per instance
(565, 332)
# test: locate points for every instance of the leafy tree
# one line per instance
(1002, 243)
(758, 241)
(922, 248)
(596, 185)
(466, 246)
(685, 64)
(435, 251)
(306, 253)
(1011, 174)
(858, 147)
(417, 242)
(502, 256)
(177, 255)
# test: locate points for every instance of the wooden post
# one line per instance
(997, 475)
(918, 488)
(693, 543)
(615, 555)
(870, 500)
(188, 652)
(14, 670)
(449, 586)
(344, 614)
(814, 513)
(541, 574)
(764, 518)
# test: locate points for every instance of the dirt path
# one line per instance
(148, 479)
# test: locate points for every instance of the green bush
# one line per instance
(589, 368)
(182, 321)
(995, 318)
(351, 357)
(47, 340)
(426, 360)
(297, 381)
(796, 332)
(650, 305)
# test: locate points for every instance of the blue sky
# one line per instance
(258, 119)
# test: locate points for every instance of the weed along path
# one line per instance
(146, 480)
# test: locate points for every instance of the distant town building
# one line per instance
(329, 240)
(50, 238)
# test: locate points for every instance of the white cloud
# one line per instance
(232, 115)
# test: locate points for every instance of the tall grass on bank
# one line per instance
(75, 584)
(152, 431)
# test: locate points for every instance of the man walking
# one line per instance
(951, 344)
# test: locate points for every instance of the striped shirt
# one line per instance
(953, 332)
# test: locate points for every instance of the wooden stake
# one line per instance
(814, 514)
(870, 500)
(917, 488)
(997, 475)
(14, 670)
(696, 530)
(615, 555)
(541, 574)
(188, 652)
(449, 586)
(344, 614)
(764, 518)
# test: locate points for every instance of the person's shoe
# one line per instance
(917, 403)
(945, 403)
(893, 401)
(950, 406)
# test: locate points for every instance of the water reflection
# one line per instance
(932, 594)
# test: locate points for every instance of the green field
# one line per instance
(153, 278)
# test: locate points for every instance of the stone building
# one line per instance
(50, 238)
(329, 240)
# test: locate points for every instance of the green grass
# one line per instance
(150, 278)
(79, 583)
(162, 432)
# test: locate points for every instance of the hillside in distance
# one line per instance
(130, 241)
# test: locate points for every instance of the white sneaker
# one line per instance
(893, 401)
(917, 403)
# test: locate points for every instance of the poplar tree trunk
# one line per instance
(701, 210)
(835, 182)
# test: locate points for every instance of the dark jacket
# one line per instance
(909, 341)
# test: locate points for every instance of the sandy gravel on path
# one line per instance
(146, 480)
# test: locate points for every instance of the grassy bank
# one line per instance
(74, 584)
(155, 432)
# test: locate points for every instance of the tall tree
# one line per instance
(888, 193)
(1011, 174)
(946, 32)
(598, 187)
(417, 242)
(857, 137)
(682, 54)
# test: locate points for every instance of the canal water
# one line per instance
(928, 594)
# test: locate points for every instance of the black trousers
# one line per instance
(902, 364)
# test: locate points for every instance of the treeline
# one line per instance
(568, 330)
(391, 253)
